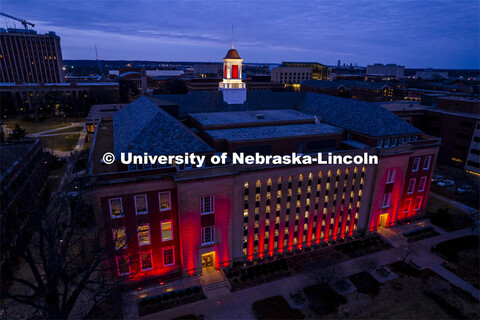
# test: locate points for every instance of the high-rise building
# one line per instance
(387, 70)
(28, 57)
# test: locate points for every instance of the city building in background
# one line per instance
(28, 57)
(319, 71)
(386, 70)
(431, 75)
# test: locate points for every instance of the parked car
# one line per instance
(446, 183)
(464, 189)
(437, 178)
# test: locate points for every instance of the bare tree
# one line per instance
(368, 265)
(326, 272)
(63, 268)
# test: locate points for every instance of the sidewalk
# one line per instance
(237, 305)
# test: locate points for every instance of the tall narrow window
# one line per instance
(407, 205)
(387, 143)
(416, 161)
(168, 257)
(208, 235)
(379, 143)
(411, 185)
(426, 162)
(123, 265)
(386, 200)
(119, 238)
(141, 204)
(116, 209)
(164, 198)
(167, 233)
(418, 203)
(143, 234)
(422, 183)
(391, 175)
(146, 260)
(207, 205)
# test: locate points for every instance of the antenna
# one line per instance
(98, 62)
(232, 36)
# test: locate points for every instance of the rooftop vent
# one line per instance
(260, 116)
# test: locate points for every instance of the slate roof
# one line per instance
(144, 127)
(360, 116)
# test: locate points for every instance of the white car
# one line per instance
(446, 183)
(437, 178)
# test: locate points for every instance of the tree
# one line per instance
(18, 133)
(368, 265)
(326, 271)
(63, 268)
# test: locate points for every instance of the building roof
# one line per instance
(360, 116)
(272, 132)
(144, 127)
(98, 111)
(348, 84)
(254, 116)
(12, 154)
(232, 54)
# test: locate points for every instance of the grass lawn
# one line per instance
(275, 308)
(465, 257)
(460, 219)
(60, 142)
(404, 298)
(33, 126)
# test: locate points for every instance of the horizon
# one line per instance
(428, 35)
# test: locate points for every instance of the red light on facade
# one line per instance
(235, 72)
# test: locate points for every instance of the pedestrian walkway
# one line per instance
(41, 133)
(237, 305)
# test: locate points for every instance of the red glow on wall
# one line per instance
(234, 72)
(225, 72)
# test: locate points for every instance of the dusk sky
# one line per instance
(419, 33)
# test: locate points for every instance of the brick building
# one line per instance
(180, 219)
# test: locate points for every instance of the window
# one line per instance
(167, 233)
(407, 205)
(426, 162)
(379, 143)
(401, 140)
(207, 205)
(418, 203)
(147, 166)
(414, 138)
(415, 164)
(141, 204)
(391, 175)
(132, 167)
(421, 185)
(164, 198)
(386, 200)
(146, 260)
(116, 209)
(394, 142)
(143, 232)
(387, 143)
(187, 166)
(123, 265)
(168, 257)
(411, 185)
(407, 139)
(120, 238)
(208, 235)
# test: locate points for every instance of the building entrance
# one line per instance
(208, 259)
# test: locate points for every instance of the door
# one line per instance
(207, 260)
(383, 220)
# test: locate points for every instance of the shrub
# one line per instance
(275, 308)
(181, 294)
(173, 295)
(323, 300)
(196, 289)
(189, 291)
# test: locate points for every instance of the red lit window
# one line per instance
(168, 257)
(225, 71)
(123, 265)
(411, 185)
(418, 203)
(234, 71)
(407, 205)
(146, 260)
(386, 200)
